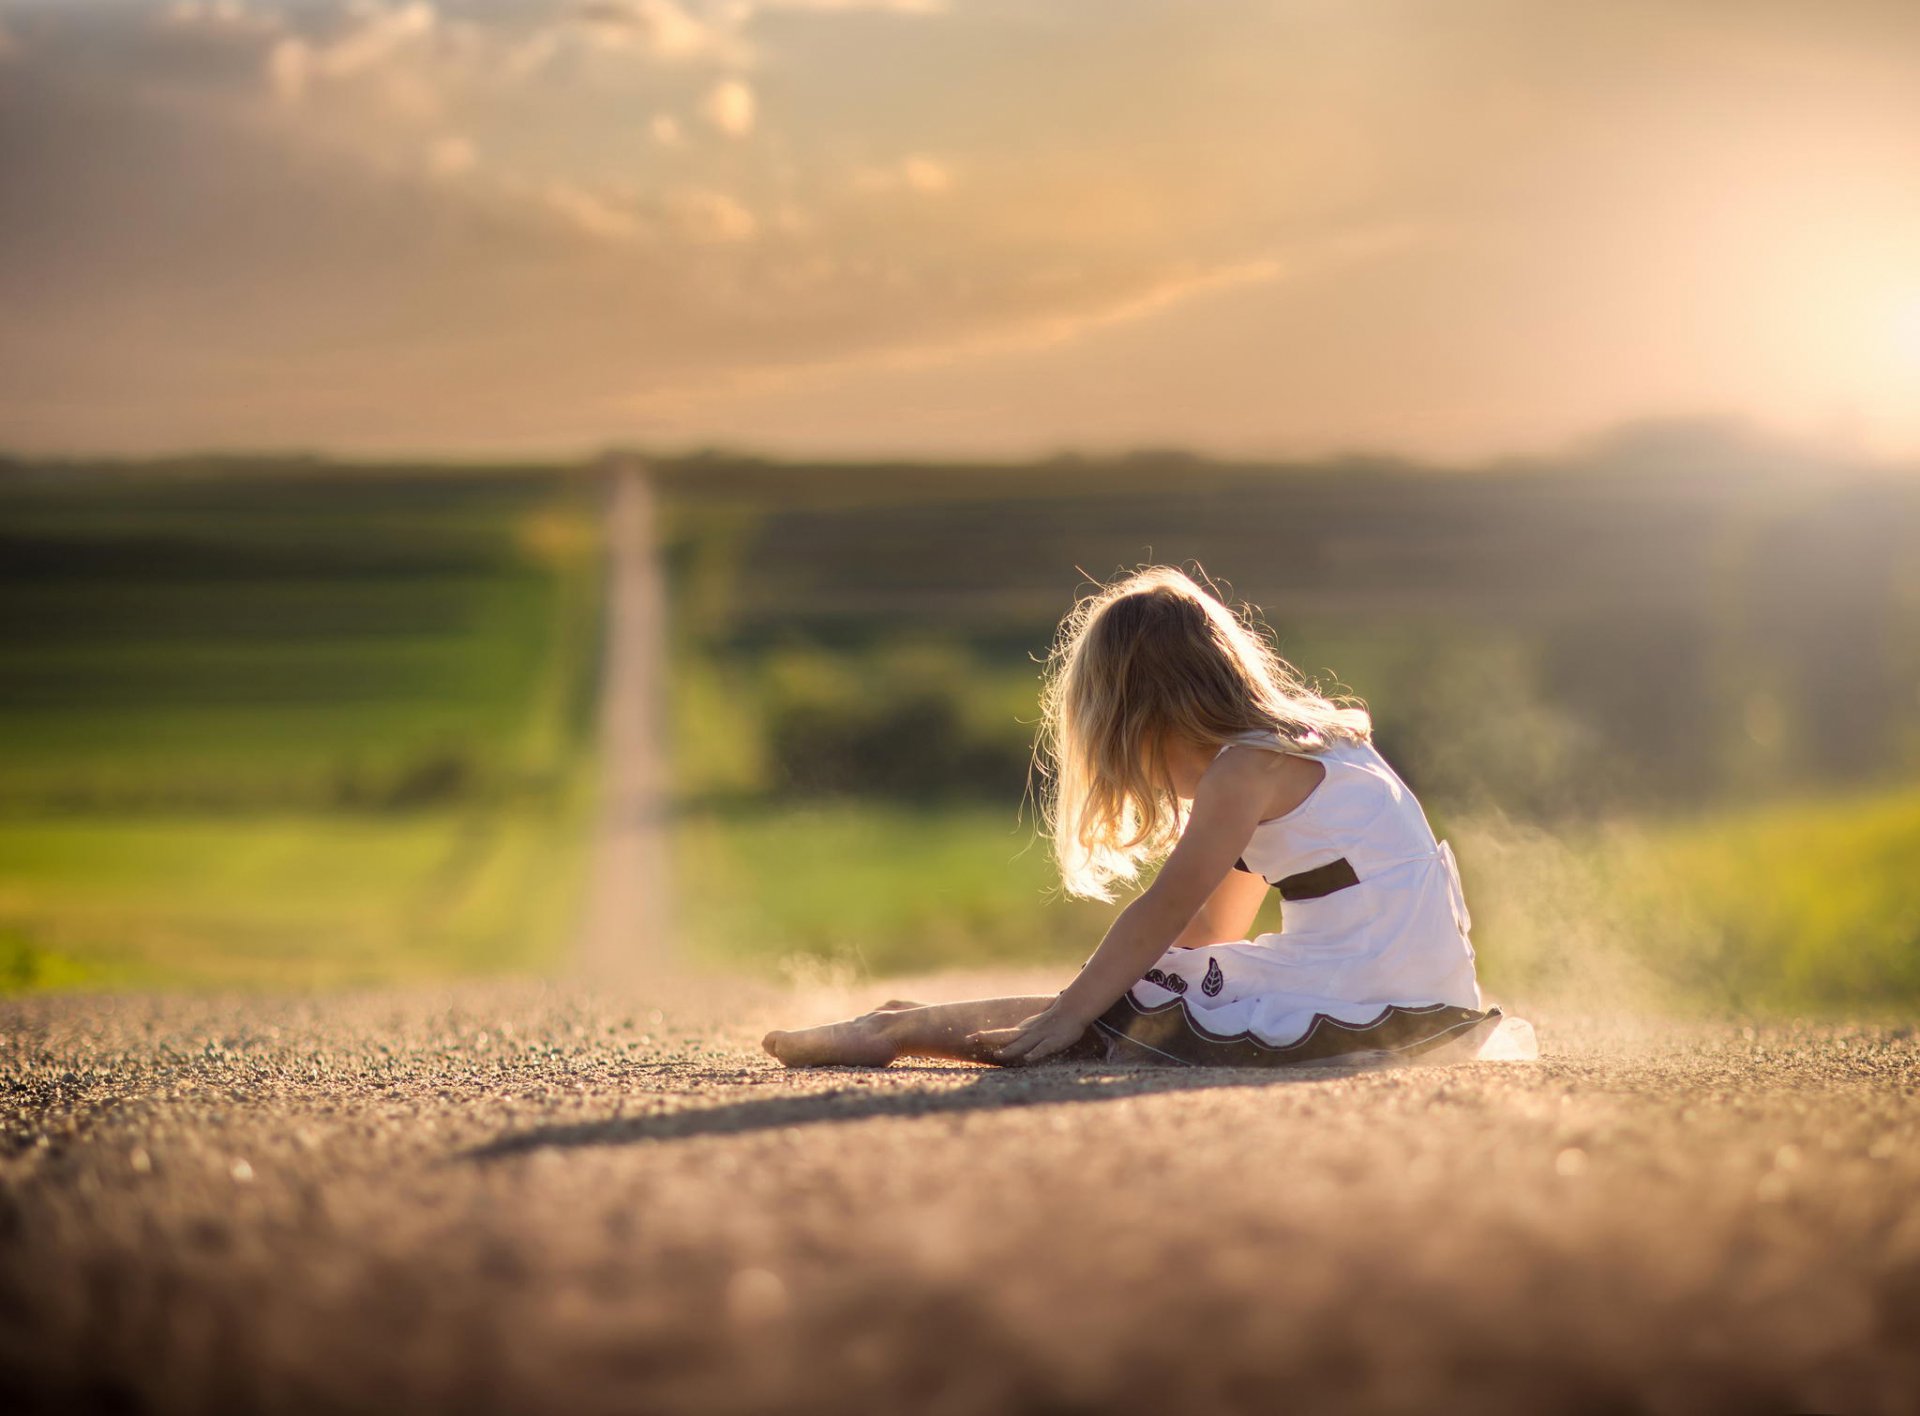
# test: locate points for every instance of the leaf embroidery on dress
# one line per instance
(1173, 983)
(1214, 981)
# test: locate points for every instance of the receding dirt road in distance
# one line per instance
(626, 922)
(509, 1198)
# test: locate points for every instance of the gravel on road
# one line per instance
(517, 1197)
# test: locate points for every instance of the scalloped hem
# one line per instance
(1167, 1034)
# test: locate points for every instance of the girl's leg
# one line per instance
(877, 1038)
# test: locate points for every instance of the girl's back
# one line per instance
(1371, 905)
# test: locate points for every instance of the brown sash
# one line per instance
(1312, 884)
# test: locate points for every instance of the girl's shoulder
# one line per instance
(1292, 776)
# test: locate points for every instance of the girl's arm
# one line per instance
(1228, 913)
(1227, 805)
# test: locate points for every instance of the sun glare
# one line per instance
(1906, 328)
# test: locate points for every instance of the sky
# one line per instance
(954, 227)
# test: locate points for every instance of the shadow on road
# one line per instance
(989, 1091)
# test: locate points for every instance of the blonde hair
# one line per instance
(1151, 654)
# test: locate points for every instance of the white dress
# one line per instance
(1373, 953)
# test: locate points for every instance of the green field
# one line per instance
(876, 887)
(283, 900)
(288, 725)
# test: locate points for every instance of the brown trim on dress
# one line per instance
(1311, 884)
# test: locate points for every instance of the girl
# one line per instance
(1171, 728)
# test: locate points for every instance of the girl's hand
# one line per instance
(1042, 1035)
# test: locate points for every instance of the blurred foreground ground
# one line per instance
(510, 1197)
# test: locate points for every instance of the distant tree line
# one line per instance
(1657, 623)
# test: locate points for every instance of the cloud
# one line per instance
(729, 106)
(377, 37)
(380, 35)
(659, 28)
(591, 213)
(897, 7)
(923, 174)
(712, 216)
(666, 130)
(528, 56)
(1170, 289)
(916, 173)
(220, 15)
(672, 32)
(288, 64)
(452, 155)
(1076, 316)
(792, 219)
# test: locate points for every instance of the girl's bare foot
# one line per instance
(861, 1043)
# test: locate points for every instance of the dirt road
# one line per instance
(627, 915)
(511, 1198)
